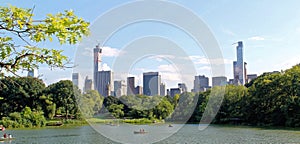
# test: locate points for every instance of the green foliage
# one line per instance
(19, 92)
(26, 118)
(139, 106)
(20, 35)
(64, 94)
(90, 103)
(116, 110)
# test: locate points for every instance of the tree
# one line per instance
(19, 92)
(64, 95)
(90, 103)
(116, 110)
(20, 35)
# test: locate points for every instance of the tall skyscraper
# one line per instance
(119, 88)
(151, 83)
(97, 64)
(238, 66)
(130, 86)
(201, 83)
(219, 81)
(162, 89)
(105, 84)
(88, 84)
(76, 79)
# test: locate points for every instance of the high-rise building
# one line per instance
(174, 91)
(239, 65)
(139, 90)
(119, 88)
(105, 84)
(219, 81)
(151, 83)
(201, 83)
(162, 89)
(76, 79)
(182, 86)
(97, 65)
(131, 86)
(88, 84)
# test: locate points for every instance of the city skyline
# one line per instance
(270, 46)
(106, 85)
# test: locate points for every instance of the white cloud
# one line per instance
(204, 68)
(162, 57)
(169, 76)
(105, 67)
(106, 52)
(167, 68)
(228, 32)
(110, 52)
(256, 38)
(206, 61)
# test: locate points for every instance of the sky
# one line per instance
(270, 31)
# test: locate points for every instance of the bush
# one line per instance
(26, 118)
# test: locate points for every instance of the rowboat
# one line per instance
(140, 132)
(6, 139)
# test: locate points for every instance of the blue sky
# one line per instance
(269, 29)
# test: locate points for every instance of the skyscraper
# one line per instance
(138, 90)
(130, 86)
(88, 84)
(151, 83)
(201, 83)
(104, 81)
(76, 79)
(238, 66)
(97, 65)
(219, 81)
(119, 88)
(162, 89)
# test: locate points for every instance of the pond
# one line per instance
(187, 134)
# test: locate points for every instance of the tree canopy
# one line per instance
(20, 35)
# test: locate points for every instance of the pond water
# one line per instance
(189, 134)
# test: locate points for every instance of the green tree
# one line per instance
(19, 92)
(116, 110)
(90, 103)
(64, 95)
(20, 35)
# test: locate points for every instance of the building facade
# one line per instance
(88, 84)
(219, 81)
(251, 77)
(76, 79)
(174, 91)
(201, 83)
(105, 84)
(139, 90)
(162, 89)
(119, 88)
(182, 86)
(239, 65)
(151, 83)
(131, 86)
(97, 65)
